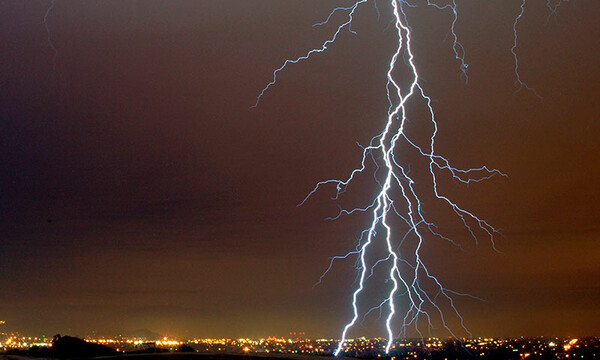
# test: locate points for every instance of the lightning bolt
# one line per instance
(397, 196)
(553, 6)
(48, 37)
(521, 83)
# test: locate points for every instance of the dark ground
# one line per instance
(204, 356)
(190, 356)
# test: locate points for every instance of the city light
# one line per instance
(530, 348)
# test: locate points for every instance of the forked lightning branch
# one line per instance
(398, 200)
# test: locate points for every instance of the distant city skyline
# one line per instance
(494, 348)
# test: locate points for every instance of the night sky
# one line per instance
(138, 191)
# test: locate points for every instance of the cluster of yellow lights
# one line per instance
(306, 346)
(211, 341)
(163, 341)
(571, 343)
(102, 341)
(13, 341)
(166, 341)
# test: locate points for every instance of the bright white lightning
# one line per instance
(521, 83)
(382, 151)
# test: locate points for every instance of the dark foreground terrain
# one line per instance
(183, 356)
(72, 348)
(204, 356)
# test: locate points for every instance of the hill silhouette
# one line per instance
(72, 347)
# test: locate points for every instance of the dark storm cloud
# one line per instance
(138, 191)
